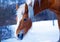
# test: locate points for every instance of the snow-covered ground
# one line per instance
(41, 31)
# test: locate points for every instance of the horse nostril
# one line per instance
(25, 19)
(20, 36)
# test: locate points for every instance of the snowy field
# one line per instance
(41, 31)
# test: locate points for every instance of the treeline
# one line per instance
(8, 14)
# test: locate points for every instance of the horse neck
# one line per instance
(38, 6)
(44, 4)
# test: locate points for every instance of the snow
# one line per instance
(41, 31)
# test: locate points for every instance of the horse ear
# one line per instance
(26, 8)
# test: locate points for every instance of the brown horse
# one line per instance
(26, 23)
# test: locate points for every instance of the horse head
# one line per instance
(24, 24)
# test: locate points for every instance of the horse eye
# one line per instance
(25, 19)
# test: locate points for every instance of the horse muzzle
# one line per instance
(21, 35)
